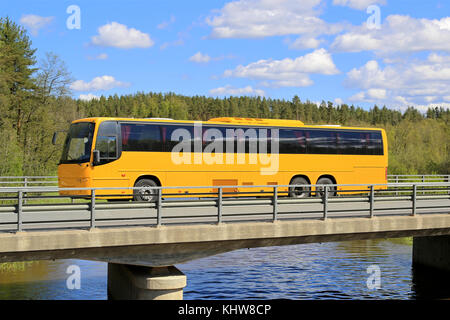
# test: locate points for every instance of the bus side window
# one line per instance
(141, 137)
(240, 139)
(364, 136)
(182, 132)
(151, 138)
(375, 146)
(214, 135)
(350, 143)
(322, 142)
(292, 141)
(107, 147)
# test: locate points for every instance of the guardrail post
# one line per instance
(396, 182)
(423, 181)
(372, 199)
(414, 199)
(158, 208)
(219, 205)
(92, 208)
(325, 202)
(275, 203)
(25, 183)
(19, 210)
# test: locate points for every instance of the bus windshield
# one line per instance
(77, 147)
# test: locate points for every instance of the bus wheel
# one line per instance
(320, 190)
(299, 192)
(149, 195)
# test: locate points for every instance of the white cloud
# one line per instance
(398, 33)
(287, 72)
(200, 58)
(232, 91)
(377, 94)
(358, 4)
(175, 43)
(338, 101)
(34, 23)
(101, 56)
(120, 36)
(205, 58)
(411, 82)
(98, 84)
(304, 42)
(88, 97)
(181, 37)
(165, 24)
(264, 18)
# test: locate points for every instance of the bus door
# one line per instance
(106, 170)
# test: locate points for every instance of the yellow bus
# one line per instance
(127, 152)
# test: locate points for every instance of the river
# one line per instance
(366, 269)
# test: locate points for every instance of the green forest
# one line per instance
(36, 101)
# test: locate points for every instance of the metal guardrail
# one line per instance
(418, 178)
(26, 181)
(218, 206)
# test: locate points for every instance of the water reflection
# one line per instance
(310, 271)
(46, 280)
(336, 270)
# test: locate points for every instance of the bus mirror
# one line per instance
(96, 154)
(54, 138)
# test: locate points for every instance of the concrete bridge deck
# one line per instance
(172, 244)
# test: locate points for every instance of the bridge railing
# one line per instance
(28, 181)
(24, 181)
(43, 208)
(418, 178)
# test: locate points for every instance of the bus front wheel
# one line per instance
(147, 195)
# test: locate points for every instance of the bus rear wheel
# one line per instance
(320, 190)
(299, 192)
(147, 195)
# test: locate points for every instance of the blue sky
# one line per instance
(362, 52)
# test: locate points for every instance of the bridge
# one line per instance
(143, 241)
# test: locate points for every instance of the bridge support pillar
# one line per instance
(432, 252)
(129, 282)
(431, 267)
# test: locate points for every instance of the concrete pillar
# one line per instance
(431, 267)
(432, 252)
(129, 282)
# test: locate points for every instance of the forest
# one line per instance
(36, 101)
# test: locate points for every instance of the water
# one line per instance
(335, 270)
(46, 280)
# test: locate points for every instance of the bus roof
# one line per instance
(228, 121)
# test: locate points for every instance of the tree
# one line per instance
(52, 82)
(16, 66)
(53, 78)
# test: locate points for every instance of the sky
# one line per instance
(361, 52)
